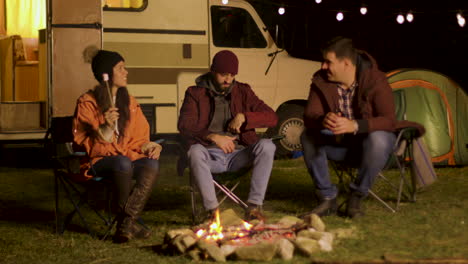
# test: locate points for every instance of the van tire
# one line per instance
(290, 126)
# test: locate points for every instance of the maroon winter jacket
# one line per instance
(373, 105)
(198, 108)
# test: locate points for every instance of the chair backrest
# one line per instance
(61, 129)
(61, 132)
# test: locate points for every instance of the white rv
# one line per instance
(166, 44)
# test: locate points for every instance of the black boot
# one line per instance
(325, 207)
(127, 228)
(353, 206)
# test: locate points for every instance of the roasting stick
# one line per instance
(105, 77)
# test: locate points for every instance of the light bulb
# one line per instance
(409, 17)
(459, 16)
(339, 16)
(318, 1)
(461, 21)
(400, 19)
(225, 2)
(363, 10)
(281, 10)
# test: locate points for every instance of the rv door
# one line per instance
(73, 26)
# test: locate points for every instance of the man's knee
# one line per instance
(266, 146)
(308, 143)
(307, 139)
(380, 141)
(197, 152)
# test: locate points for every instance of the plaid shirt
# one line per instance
(345, 100)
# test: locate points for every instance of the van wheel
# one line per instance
(290, 127)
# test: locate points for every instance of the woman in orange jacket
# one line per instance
(111, 127)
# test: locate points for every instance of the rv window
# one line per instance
(235, 28)
(124, 5)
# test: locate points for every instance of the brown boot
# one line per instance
(127, 228)
(124, 230)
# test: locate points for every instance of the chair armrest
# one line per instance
(407, 133)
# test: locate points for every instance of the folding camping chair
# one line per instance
(225, 184)
(79, 194)
(400, 158)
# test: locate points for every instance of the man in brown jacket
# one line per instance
(218, 120)
(350, 117)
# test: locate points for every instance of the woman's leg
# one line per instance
(119, 170)
(145, 171)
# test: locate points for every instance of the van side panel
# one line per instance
(74, 27)
(167, 39)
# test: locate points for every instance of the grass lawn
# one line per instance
(435, 227)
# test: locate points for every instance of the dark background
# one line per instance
(433, 41)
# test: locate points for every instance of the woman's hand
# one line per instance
(152, 150)
(111, 116)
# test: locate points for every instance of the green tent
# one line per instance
(438, 103)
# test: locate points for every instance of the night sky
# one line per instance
(434, 40)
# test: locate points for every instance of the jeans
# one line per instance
(121, 170)
(369, 153)
(205, 161)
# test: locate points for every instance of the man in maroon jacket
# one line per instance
(350, 116)
(218, 120)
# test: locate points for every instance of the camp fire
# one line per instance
(229, 237)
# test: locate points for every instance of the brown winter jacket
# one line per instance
(197, 111)
(373, 104)
(86, 123)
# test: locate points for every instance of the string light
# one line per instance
(339, 16)
(281, 10)
(225, 2)
(461, 20)
(400, 19)
(363, 10)
(409, 17)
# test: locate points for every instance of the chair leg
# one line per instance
(109, 228)
(381, 201)
(197, 207)
(231, 190)
(58, 227)
(230, 194)
(76, 208)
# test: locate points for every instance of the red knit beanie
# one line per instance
(225, 61)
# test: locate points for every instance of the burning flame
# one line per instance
(215, 231)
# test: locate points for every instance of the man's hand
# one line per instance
(111, 116)
(236, 123)
(338, 124)
(226, 143)
(152, 150)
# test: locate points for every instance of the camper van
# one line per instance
(166, 45)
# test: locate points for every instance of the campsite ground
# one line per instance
(435, 227)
